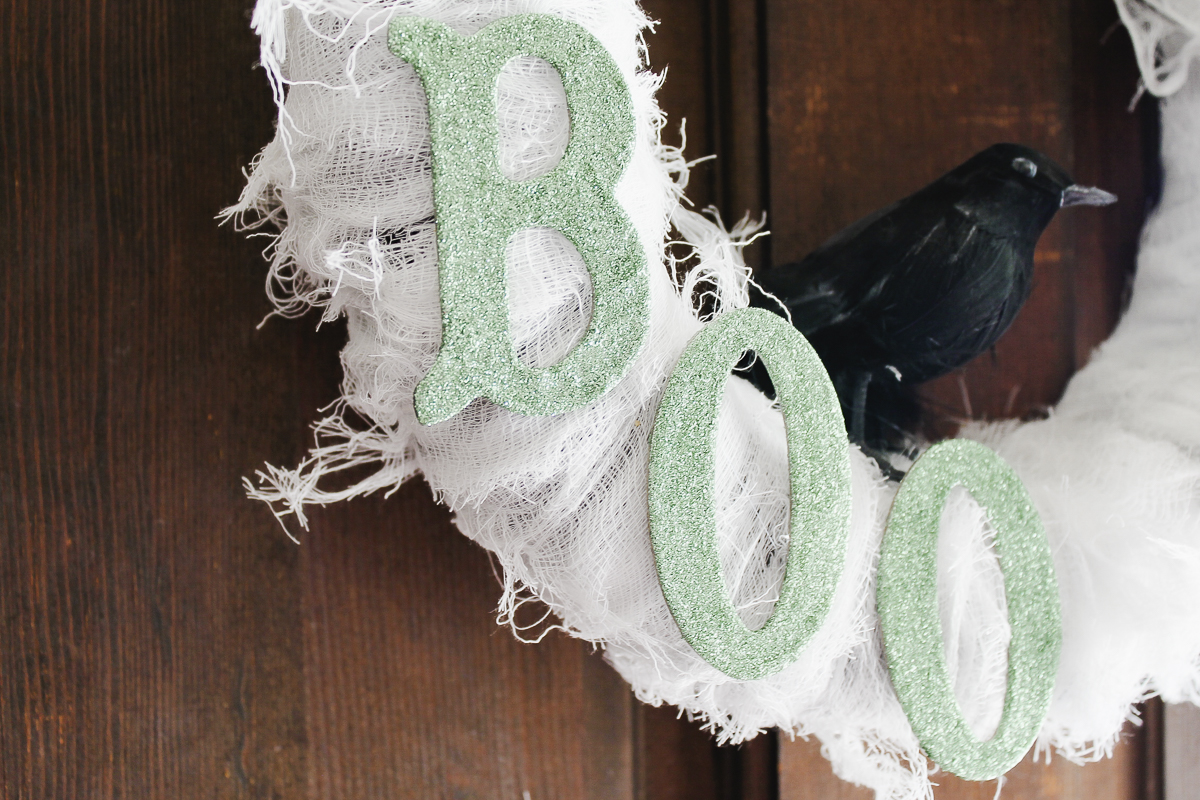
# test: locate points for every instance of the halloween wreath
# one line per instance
(479, 187)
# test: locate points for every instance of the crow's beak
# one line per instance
(1086, 196)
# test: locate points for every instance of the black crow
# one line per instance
(921, 287)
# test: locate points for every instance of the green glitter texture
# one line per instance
(682, 494)
(911, 626)
(479, 210)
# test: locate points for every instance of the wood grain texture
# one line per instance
(1182, 752)
(1116, 148)
(744, 145)
(413, 691)
(869, 101)
(162, 638)
(806, 775)
(682, 50)
(678, 760)
(1116, 778)
(149, 614)
(710, 52)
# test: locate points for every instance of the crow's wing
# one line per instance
(849, 270)
(949, 298)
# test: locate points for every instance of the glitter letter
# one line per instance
(912, 629)
(683, 529)
(479, 209)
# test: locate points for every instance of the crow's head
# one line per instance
(1016, 187)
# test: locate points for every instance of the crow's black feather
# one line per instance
(921, 287)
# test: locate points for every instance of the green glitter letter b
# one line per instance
(479, 210)
(683, 529)
(912, 629)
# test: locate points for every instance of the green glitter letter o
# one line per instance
(911, 626)
(479, 209)
(682, 508)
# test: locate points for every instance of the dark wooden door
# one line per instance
(160, 637)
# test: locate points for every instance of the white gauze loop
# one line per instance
(549, 296)
(531, 114)
(973, 612)
(1166, 38)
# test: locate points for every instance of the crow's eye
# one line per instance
(1025, 167)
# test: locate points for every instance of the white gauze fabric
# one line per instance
(1166, 37)
(562, 501)
(1115, 473)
